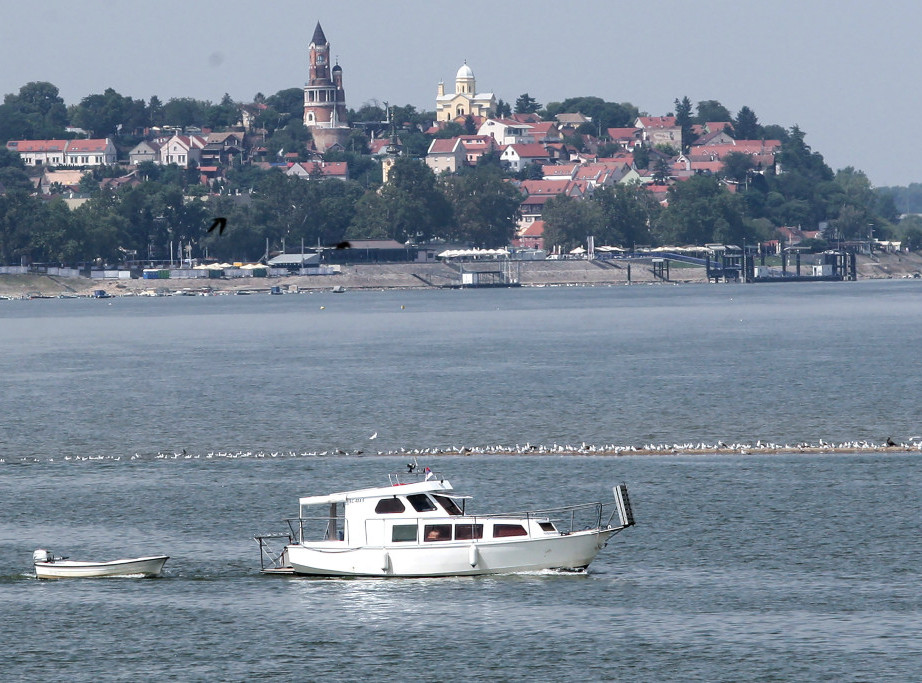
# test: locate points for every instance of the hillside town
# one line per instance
(563, 182)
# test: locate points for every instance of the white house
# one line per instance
(517, 157)
(146, 150)
(182, 150)
(93, 152)
(507, 131)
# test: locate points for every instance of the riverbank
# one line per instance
(566, 273)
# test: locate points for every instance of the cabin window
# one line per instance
(389, 506)
(547, 526)
(468, 532)
(506, 530)
(403, 533)
(437, 532)
(451, 507)
(421, 502)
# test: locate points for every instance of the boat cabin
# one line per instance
(417, 513)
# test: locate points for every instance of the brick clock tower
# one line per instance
(324, 97)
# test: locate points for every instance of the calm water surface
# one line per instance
(741, 567)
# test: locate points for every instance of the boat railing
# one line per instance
(569, 518)
(325, 528)
(270, 557)
(413, 475)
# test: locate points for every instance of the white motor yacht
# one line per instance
(418, 526)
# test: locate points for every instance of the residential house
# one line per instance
(182, 150)
(517, 157)
(146, 150)
(130, 179)
(220, 148)
(507, 131)
(545, 131)
(445, 155)
(660, 130)
(559, 171)
(530, 237)
(322, 169)
(717, 137)
(87, 152)
(39, 152)
(90, 152)
(570, 121)
(53, 182)
(628, 138)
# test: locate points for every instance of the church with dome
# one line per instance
(465, 100)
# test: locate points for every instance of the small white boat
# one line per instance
(47, 566)
(421, 528)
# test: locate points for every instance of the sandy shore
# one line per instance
(416, 276)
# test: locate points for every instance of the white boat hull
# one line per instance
(458, 558)
(65, 569)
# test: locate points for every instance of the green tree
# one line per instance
(37, 112)
(185, 111)
(737, 166)
(712, 111)
(683, 119)
(485, 207)
(526, 104)
(106, 115)
(412, 207)
(223, 115)
(569, 221)
(910, 232)
(603, 114)
(503, 110)
(746, 125)
(628, 211)
(289, 101)
(641, 156)
(155, 111)
(700, 211)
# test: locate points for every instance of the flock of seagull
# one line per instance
(686, 448)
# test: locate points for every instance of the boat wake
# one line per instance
(584, 449)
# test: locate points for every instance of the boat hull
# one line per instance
(68, 569)
(572, 552)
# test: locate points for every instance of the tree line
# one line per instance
(476, 206)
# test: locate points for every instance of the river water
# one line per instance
(186, 425)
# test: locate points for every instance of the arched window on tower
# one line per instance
(460, 111)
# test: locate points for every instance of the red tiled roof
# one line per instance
(534, 229)
(532, 150)
(657, 121)
(37, 145)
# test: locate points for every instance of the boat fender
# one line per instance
(386, 563)
(473, 555)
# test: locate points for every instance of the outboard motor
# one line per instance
(42, 555)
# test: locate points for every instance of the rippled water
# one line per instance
(793, 567)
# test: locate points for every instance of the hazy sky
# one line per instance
(843, 70)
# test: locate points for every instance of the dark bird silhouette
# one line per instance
(220, 224)
(890, 442)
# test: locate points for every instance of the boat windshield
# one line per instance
(451, 507)
(421, 502)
